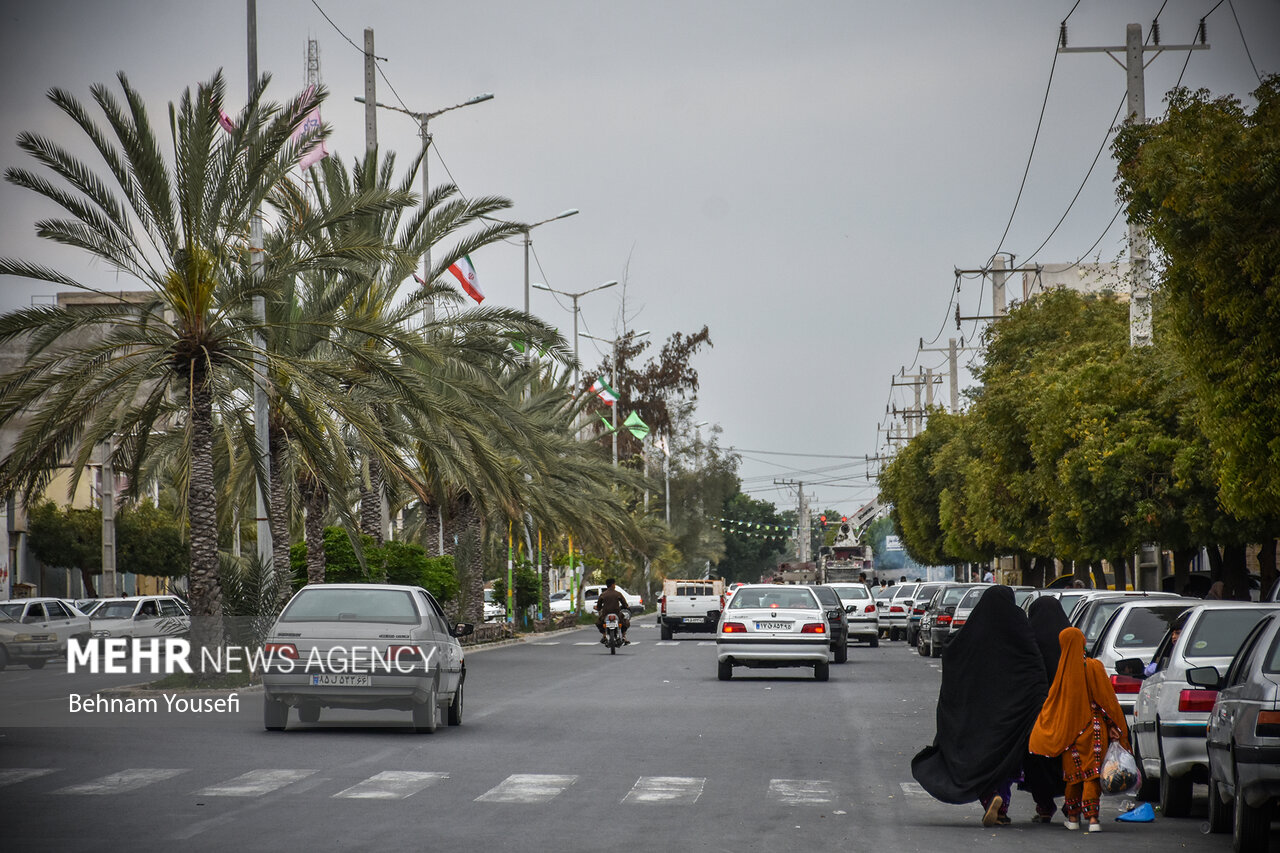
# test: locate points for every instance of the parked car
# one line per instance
(49, 616)
(493, 609)
(771, 625)
(935, 627)
(1093, 610)
(883, 595)
(88, 605)
(861, 611)
(837, 621)
(25, 644)
(1170, 715)
(1134, 631)
(635, 603)
(900, 603)
(1244, 738)
(920, 600)
(140, 616)
(348, 626)
(965, 606)
(560, 601)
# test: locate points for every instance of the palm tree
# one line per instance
(179, 226)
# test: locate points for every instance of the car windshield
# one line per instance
(774, 598)
(115, 610)
(1145, 626)
(4, 617)
(13, 611)
(852, 593)
(556, 596)
(352, 605)
(1219, 633)
(488, 596)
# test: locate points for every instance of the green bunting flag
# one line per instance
(607, 426)
(637, 427)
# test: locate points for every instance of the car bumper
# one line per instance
(1183, 745)
(23, 652)
(688, 623)
(864, 628)
(1258, 770)
(772, 652)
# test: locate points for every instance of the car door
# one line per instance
(60, 622)
(448, 652)
(1231, 698)
(146, 619)
(173, 619)
(1147, 703)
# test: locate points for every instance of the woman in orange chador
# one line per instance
(1080, 717)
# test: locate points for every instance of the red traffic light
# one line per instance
(844, 518)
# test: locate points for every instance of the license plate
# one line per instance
(773, 626)
(341, 679)
(697, 619)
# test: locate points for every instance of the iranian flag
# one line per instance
(606, 393)
(465, 273)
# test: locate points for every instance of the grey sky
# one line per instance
(800, 176)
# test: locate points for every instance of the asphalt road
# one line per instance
(561, 744)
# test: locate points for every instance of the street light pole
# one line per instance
(575, 297)
(429, 309)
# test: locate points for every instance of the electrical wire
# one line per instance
(1247, 52)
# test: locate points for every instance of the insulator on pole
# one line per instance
(1062, 34)
(1155, 31)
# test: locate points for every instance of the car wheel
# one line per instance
(666, 631)
(842, 651)
(893, 634)
(821, 671)
(275, 714)
(36, 664)
(1219, 812)
(4, 658)
(725, 670)
(921, 648)
(309, 713)
(934, 650)
(1149, 790)
(426, 714)
(455, 707)
(1175, 793)
(1252, 826)
(875, 641)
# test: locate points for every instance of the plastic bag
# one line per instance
(1119, 770)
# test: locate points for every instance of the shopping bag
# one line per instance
(1119, 770)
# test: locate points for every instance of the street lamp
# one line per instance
(575, 297)
(614, 345)
(429, 310)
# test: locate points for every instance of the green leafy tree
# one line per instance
(749, 554)
(150, 541)
(67, 538)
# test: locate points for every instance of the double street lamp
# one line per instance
(575, 297)
(613, 344)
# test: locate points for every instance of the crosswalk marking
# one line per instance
(665, 789)
(913, 788)
(666, 643)
(801, 792)
(14, 775)
(527, 788)
(392, 785)
(706, 642)
(596, 643)
(126, 780)
(255, 783)
(549, 643)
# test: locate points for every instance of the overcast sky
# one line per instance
(802, 176)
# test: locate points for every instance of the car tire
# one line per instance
(275, 714)
(309, 712)
(455, 707)
(921, 648)
(426, 715)
(875, 641)
(36, 664)
(1220, 816)
(1149, 790)
(842, 651)
(4, 658)
(1175, 793)
(724, 671)
(893, 634)
(666, 631)
(934, 651)
(1251, 833)
(821, 671)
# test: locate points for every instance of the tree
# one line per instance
(754, 539)
(67, 538)
(1204, 183)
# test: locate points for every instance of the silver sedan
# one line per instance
(769, 626)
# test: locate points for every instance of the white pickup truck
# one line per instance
(686, 605)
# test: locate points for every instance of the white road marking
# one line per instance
(14, 775)
(551, 643)
(706, 642)
(255, 783)
(666, 643)
(665, 789)
(913, 788)
(392, 785)
(126, 780)
(527, 788)
(596, 643)
(801, 792)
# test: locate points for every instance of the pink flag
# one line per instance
(310, 124)
(419, 280)
(225, 120)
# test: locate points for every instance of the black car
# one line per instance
(921, 600)
(935, 625)
(837, 621)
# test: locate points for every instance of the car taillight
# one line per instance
(1268, 724)
(870, 608)
(722, 601)
(814, 628)
(395, 653)
(917, 611)
(942, 619)
(733, 628)
(284, 650)
(662, 602)
(1127, 684)
(957, 623)
(895, 609)
(1196, 700)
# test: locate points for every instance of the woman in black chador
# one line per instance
(993, 687)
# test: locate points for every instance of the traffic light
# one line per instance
(823, 519)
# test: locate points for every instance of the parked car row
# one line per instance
(35, 630)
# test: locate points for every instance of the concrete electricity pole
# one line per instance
(261, 426)
(953, 359)
(1136, 112)
(107, 497)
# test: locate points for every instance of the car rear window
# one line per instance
(1219, 633)
(953, 595)
(352, 605)
(972, 596)
(782, 598)
(827, 596)
(905, 591)
(1145, 626)
(695, 589)
(852, 593)
(1098, 617)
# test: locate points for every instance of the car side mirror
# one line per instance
(462, 629)
(833, 614)
(851, 609)
(1131, 667)
(1206, 677)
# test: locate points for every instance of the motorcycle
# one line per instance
(613, 632)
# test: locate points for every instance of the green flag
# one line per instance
(607, 426)
(638, 427)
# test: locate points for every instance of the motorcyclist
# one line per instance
(612, 601)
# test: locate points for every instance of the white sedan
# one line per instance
(49, 616)
(140, 616)
(769, 626)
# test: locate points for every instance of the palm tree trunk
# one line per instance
(279, 520)
(471, 546)
(431, 527)
(371, 501)
(204, 588)
(315, 502)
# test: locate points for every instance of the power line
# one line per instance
(1232, 7)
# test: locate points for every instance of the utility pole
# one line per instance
(370, 93)
(1136, 113)
(953, 359)
(261, 406)
(107, 497)
(915, 415)
(802, 519)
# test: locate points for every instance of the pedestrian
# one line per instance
(1080, 717)
(993, 686)
(1215, 591)
(989, 577)
(1077, 584)
(1041, 776)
